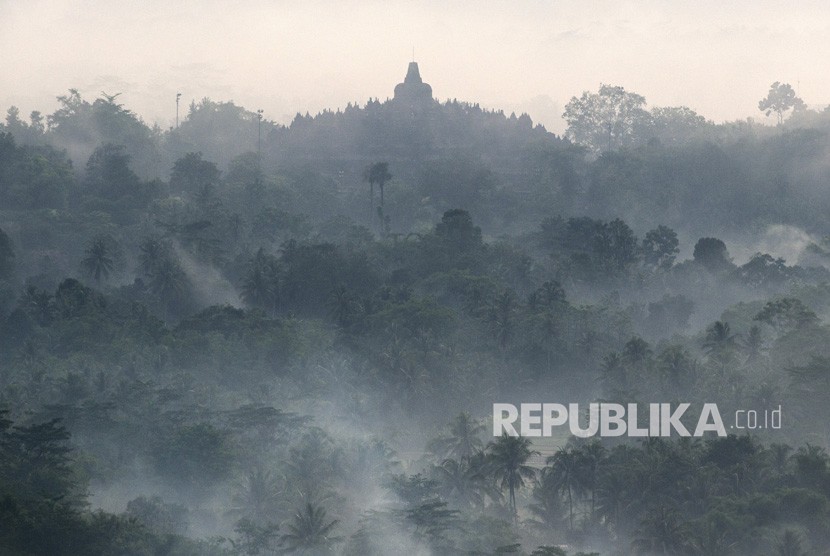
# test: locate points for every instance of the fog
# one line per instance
(279, 325)
(287, 57)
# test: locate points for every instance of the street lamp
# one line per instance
(259, 133)
(178, 96)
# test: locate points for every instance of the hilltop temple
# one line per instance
(413, 91)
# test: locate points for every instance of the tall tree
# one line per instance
(108, 172)
(711, 253)
(463, 439)
(193, 175)
(660, 247)
(720, 344)
(610, 119)
(152, 251)
(171, 285)
(377, 173)
(465, 482)
(100, 260)
(509, 455)
(564, 474)
(780, 98)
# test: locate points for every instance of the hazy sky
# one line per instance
(718, 57)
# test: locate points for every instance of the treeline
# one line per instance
(507, 172)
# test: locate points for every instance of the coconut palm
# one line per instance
(465, 481)
(547, 501)
(591, 456)
(509, 455)
(565, 476)
(614, 496)
(377, 173)
(257, 496)
(719, 339)
(463, 440)
(99, 261)
(171, 285)
(310, 531)
(152, 252)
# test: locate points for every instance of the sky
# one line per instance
(716, 57)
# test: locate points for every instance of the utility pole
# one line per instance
(178, 96)
(259, 141)
(259, 132)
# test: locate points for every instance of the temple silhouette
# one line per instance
(413, 92)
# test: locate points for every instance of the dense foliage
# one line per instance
(208, 347)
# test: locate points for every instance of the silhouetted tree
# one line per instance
(509, 455)
(377, 173)
(310, 531)
(611, 118)
(100, 260)
(780, 99)
(712, 254)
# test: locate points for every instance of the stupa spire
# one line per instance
(413, 89)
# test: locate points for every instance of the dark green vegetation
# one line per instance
(205, 349)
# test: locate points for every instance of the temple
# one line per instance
(413, 91)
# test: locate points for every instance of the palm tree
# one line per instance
(432, 519)
(312, 465)
(39, 305)
(257, 496)
(637, 357)
(99, 261)
(614, 496)
(460, 482)
(713, 538)
(463, 440)
(509, 455)
(547, 501)
(590, 455)
(719, 339)
(564, 473)
(377, 173)
(677, 368)
(153, 252)
(309, 532)
(170, 283)
(753, 345)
